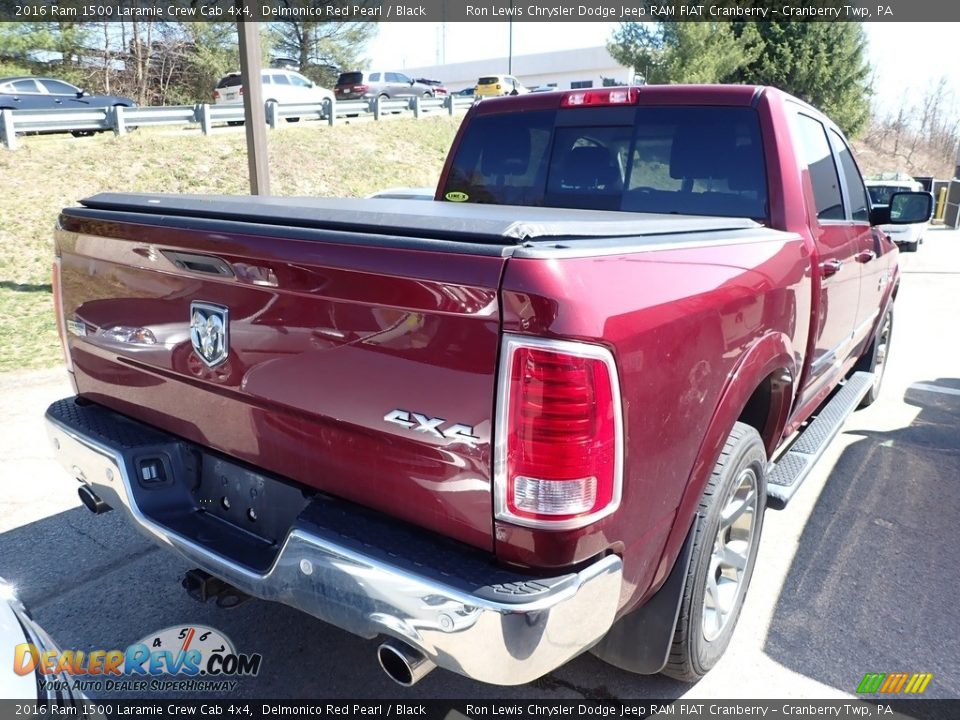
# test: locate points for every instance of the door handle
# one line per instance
(830, 267)
(866, 256)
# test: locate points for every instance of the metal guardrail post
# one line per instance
(416, 107)
(272, 114)
(7, 134)
(119, 124)
(449, 104)
(330, 107)
(376, 108)
(204, 112)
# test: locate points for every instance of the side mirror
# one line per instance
(413, 82)
(81, 93)
(906, 208)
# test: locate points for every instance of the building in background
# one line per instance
(564, 69)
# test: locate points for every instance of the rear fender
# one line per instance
(772, 355)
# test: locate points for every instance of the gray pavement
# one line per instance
(858, 574)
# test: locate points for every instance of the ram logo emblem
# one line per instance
(432, 426)
(210, 332)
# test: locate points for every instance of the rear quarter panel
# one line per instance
(682, 324)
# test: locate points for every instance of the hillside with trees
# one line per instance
(171, 63)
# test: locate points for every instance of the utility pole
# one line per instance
(255, 119)
(510, 43)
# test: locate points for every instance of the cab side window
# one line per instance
(815, 154)
(859, 203)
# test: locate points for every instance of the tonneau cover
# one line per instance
(497, 224)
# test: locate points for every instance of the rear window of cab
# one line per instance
(683, 160)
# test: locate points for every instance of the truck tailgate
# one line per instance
(361, 370)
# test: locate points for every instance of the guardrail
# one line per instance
(121, 119)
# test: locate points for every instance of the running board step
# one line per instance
(794, 465)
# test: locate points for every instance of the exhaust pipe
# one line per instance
(405, 665)
(92, 501)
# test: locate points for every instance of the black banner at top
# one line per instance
(478, 10)
(893, 708)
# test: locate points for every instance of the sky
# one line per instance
(907, 57)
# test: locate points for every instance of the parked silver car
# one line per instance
(17, 628)
(279, 86)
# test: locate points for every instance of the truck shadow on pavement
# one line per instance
(94, 583)
(874, 583)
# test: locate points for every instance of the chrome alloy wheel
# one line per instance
(731, 553)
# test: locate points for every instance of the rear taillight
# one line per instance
(216, 94)
(605, 96)
(559, 444)
(58, 311)
(240, 91)
(361, 88)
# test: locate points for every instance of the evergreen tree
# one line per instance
(823, 63)
(683, 52)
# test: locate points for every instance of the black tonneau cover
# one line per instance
(494, 224)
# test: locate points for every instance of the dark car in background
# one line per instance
(365, 84)
(438, 87)
(40, 93)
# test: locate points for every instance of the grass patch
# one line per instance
(48, 173)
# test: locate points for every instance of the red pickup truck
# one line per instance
(540, 414)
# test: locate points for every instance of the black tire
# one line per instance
(874, 360)
(910, 247)
(83, 133)
(292, 120)
(234, 123)
(739, 471)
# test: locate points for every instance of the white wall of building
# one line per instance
(562, 67)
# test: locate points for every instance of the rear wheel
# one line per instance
(874, 360)
(724, 553)
(910, 247)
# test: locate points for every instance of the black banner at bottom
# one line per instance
(460, 709)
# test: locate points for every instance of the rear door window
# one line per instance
(816, 155)
(859, 204)
(25, 86)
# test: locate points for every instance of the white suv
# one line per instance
(907, 237)
(285, 87)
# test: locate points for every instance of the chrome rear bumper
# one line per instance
(505, 633)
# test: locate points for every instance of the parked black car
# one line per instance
(39, 93)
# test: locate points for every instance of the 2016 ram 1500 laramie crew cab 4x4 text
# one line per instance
(539, 415)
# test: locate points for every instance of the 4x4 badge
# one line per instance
(431, 426)
(210, 332)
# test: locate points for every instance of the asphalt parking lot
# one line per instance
(858, 574)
